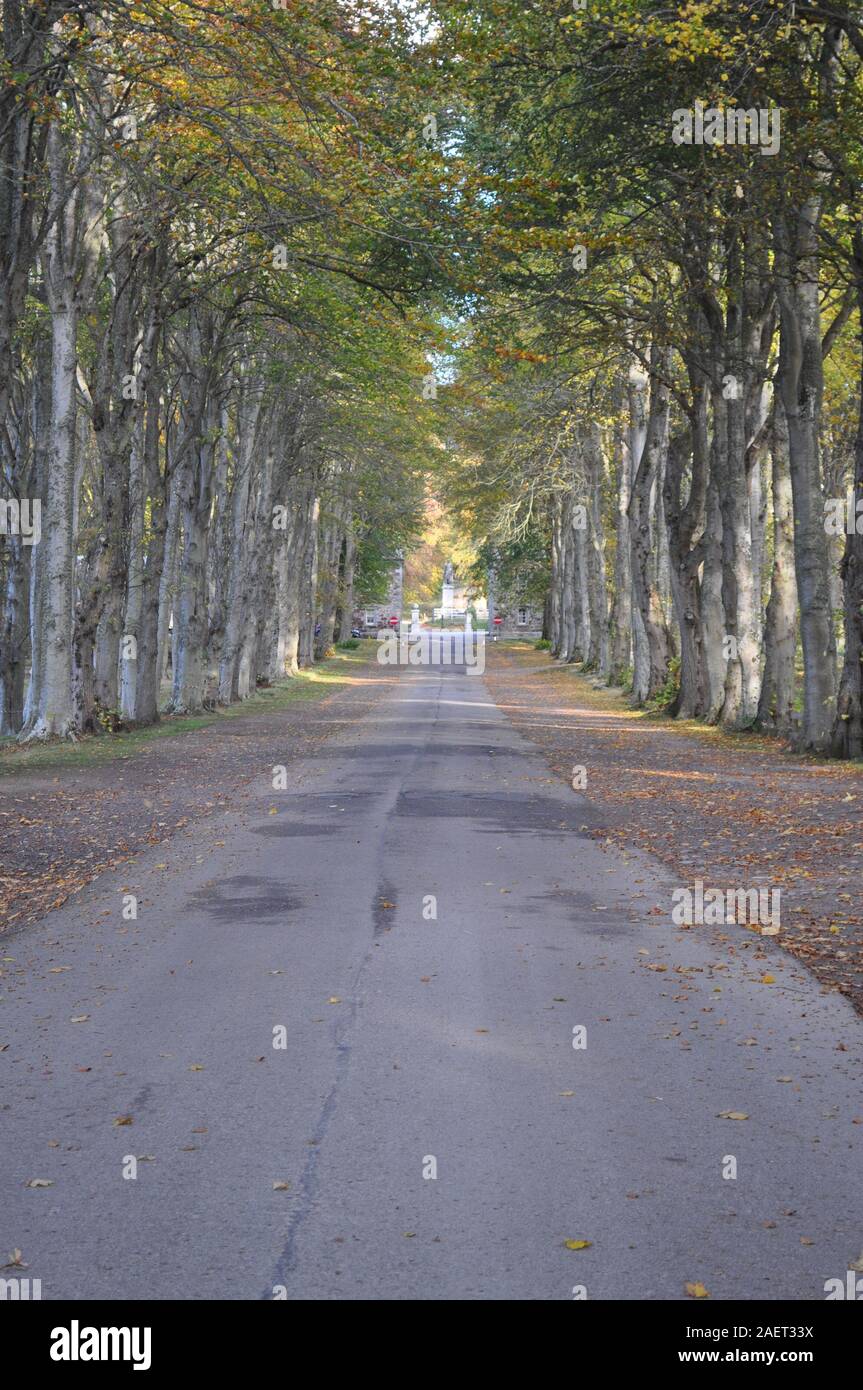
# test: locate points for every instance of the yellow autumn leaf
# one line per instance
(696, 1290)
(578, 1244)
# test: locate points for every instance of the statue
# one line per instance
(448, 572)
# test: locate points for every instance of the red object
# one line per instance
(497, 621)
(394, 622)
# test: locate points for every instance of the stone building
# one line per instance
(377, 615)
(519, 616)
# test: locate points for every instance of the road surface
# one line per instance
(423, 919)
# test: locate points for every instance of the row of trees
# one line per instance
(660, 389)
(214, 235)
(238, 247)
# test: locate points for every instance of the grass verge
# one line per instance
(93, 750)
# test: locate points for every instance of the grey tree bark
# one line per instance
(800, 382)
(776, 704)
(641, 523)
(69, 261)
(620, 617)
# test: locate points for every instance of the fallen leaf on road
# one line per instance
(732, 1115)
(281, 1186)
(39, 1182)
(768, 979)
(334, 999)
(16, 1261)
(124, 1120)
(79, 1018)
(696, 1290)
(578, 1244)
(196, 1066)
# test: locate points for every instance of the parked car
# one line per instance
(356, 632)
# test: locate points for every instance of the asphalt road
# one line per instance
(417, 1030)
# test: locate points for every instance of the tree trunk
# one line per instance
(847, 733)
(598, 652)
(190, 673)
(168, 576)
(620, 620)
(309, 586)
(54, 712)
(776, 704)
(13, 635)
(131, 635)
(148, 674)
(649, 469)
(800, 382)
(242, 558)
(685, 525)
